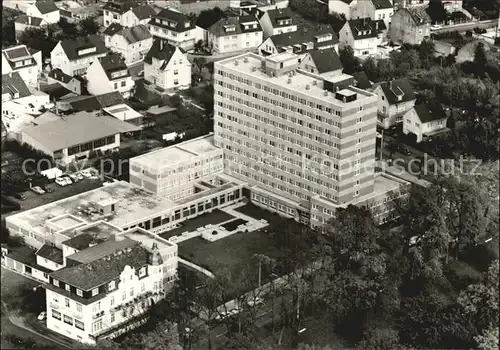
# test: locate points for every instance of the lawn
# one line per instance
(232, 253)
(213, 218)
(233, 225)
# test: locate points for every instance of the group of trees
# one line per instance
(45, 39)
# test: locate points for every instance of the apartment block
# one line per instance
(176, 172)
(292, 133)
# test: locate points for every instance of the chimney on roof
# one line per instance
(161, 44)
(390, 84)
(29, 20)
(376, 25)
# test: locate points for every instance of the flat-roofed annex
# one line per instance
(133, 205)
(307, 84)
(181, 152)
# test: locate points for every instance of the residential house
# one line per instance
(364, 35)
(138, 15)
(106, 289)
(91, 103)
(375, 9)
(25, 61)
(19, 103)
(45, 10)
(23, 22)
(453, 5)
(395, 98)
(410, 25)
(277, 21)
(74, 56)
(118, 11)
(108, 74)
(174, 28)
(233, 34)
(322, 62)
(416, 3)
(300, 42)
(133, 43)
(425, 120)
(167, 67)
(74, 84)
(73, 137)
(345, 7)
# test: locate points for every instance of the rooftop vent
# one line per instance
(254, 69)
(245, 60)
(315, 82)
(308, 87)
(325, 92)
(236, 62)
(289, 81)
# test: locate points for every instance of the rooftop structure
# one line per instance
(123, 112)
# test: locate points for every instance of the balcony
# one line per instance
(97, 315)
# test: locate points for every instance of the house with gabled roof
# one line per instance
(19, 103)
(300, 41)
(138, 15)
(425, 120)
(410, 25)
(174, 28)
(395, 98)
(133, 43)
(364, 35)
(322, 62)
(167, 67)
(121, 12)
(277, 21)
(375, 9)
(74, 56)
(23, 22)
(345, 7)
(44, 9)
(229, 34)
(108, 74)
(75, 84)
(27, 62)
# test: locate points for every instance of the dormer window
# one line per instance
(112, 285)
(55, 283)
(79, 292)
(68, 288)
(95, 291)
(86, 51)
(142, 272)
(187, 24)
(400, 97)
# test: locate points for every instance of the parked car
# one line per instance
(256, 301)
(47, 189)
(86, 173)
(405, 151)
(61, 181)
(42, 316)
(73, 177)
(20, 196)
(435, 27)
(68, 179)
(37, 190)
(79, 175)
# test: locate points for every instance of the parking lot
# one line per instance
(35, 200)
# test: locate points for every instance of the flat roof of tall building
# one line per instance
(132, 205)
(177, 153)
(307, 84)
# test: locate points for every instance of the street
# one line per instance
(463, 27)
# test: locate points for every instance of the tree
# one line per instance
(436, 11)
(480, 301)
(349, 61)
(200, 62)
(88, 26)
(380, 338)
(69, 29)
(37, 39)
(488, 339)
(480, 56)
(198, 46)
(370, 68)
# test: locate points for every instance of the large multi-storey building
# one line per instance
(173, 172)
(297, 137)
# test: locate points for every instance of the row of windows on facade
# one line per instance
(179, 181)
(122, 84)
(267, 152)
(273, 204)
(277, 92)
(95, 291)
(184, 167)
(286, 128)
(186, 211)
(89, 146)
(167, 32)
(306, 163)
(303, 193)
(271, 122)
